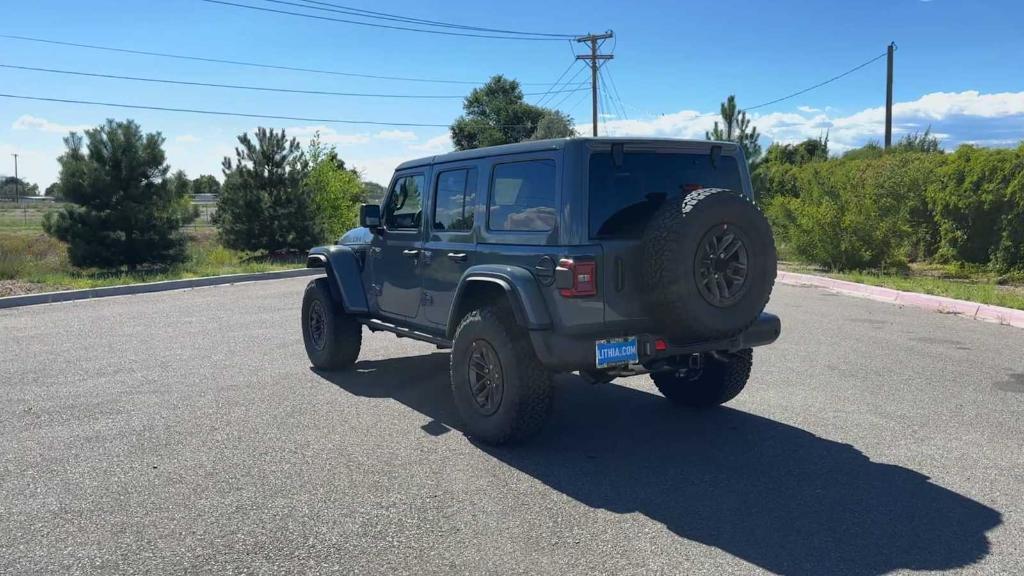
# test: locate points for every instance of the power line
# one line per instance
(375, 25)
(398, 18)
(251, 64)
(237, 114)
(818, 85)
(799, 92)
(562, 75)
(579, 71)
(256, 88)
(615, 90)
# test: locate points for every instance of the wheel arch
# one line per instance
(344, 274)
(513, 285)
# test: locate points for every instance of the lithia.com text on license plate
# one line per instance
(616, 352)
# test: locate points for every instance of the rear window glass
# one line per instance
(623, 198)
(523, 196)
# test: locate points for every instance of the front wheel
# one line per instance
(720, 379)
(332, 337)
(500, 388)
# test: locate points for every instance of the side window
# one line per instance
(404, 210)
(455, 201)
(523, 196)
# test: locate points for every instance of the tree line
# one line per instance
(126, 209)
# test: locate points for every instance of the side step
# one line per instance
(402, 332)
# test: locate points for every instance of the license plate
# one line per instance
(616, 352)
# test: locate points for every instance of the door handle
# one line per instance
(457, 256)
(411, 253)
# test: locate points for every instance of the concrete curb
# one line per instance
(973, 310)
(69, 295)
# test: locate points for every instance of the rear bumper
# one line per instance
(565, 353)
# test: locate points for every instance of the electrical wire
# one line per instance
(818, 85)
(398, 18)
(223, 113)
(615, 90)
(251, 64)
(375, 25)
(256, 88)
(545, 95)
(571, 80)
(607, 91)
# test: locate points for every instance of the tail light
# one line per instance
(576, 279)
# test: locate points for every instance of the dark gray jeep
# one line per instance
(605, 256)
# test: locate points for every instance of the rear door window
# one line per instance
(623, 198)
(523, 197)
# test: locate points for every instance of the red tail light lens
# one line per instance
(583, 276)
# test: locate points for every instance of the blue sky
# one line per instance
(958, 69)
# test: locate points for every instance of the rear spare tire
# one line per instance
(709, 264)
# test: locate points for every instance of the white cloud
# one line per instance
(955, 117)
(377, 169)
(328, 135)
(187, 139)
(398, 135)
(29, 122)
(436, 145)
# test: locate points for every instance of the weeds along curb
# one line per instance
(148, 287)
(942, 304)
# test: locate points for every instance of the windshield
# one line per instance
(623, 198)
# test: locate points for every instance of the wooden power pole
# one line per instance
(888, 96)
(594, 58)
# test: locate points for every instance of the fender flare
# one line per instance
(343, 274)
(520, 286)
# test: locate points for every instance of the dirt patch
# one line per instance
(20, 287)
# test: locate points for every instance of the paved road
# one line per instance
(184, 432)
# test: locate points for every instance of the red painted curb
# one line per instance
(974, 310)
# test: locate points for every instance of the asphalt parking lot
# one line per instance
(185, 432)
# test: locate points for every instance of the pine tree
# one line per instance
(736, 128)
(264, 202)
(124, 210)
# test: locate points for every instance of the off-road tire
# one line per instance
(718, 382)
(526, 396)
(673, 242)
(338, 345)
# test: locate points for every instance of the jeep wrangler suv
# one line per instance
(603, 256)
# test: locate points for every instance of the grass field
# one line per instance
(31, 261)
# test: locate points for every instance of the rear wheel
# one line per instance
(332, 337)
(500, 388)
(720, 378)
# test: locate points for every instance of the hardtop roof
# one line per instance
(542, 145)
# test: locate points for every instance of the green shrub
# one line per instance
(860, 213)
(978, 203)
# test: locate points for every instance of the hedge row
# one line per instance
(883, 210)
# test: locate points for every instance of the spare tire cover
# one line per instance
(709, 264)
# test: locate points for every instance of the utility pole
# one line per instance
(17, 182)
(888, 96)
(594, 58)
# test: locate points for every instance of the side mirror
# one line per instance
(369, 216)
